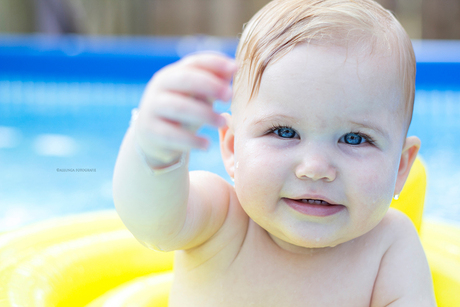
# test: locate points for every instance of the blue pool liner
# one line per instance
(135, 59)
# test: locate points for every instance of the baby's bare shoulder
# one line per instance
(395, 226)
(217, 191)
(232, 220)
(404, 278)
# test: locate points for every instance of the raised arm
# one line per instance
(153, 194)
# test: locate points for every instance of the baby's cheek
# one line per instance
(376, 192)
(256, 179)
(252, 175)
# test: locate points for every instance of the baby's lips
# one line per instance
(317, 197)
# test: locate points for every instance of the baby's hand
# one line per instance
(177, 101)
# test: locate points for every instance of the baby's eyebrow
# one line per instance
(273, 117)
(372, 127)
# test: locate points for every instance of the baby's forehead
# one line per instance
(334, 56)
(328, 68)
(328, 62)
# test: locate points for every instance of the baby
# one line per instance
(316, 143)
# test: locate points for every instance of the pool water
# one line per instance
(59, 142)
(436, 123)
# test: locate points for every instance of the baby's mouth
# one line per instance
(313, 201)
(321, 201)
(314, 206)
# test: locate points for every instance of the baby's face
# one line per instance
(326, 126)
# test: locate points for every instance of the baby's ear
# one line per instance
(408, 155)
(227, 138)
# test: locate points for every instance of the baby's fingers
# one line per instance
(167, 135)
(219, 64)
(187, 110)
(194, 82)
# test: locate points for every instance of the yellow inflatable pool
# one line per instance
(92, 260)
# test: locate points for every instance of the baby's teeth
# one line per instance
(313, 201)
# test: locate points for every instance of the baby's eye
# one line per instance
(285, 132)
(354, 139)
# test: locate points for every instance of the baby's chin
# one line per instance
(319, 243)
(306, 240)
(307, 245)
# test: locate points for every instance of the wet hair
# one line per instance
(363, 25)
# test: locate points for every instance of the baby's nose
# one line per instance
(316, 167)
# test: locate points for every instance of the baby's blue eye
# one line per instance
(353, 139)
(285, 132)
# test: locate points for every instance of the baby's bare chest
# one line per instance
(294, 284)
(258, 276)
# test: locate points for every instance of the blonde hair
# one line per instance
(282, 24)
